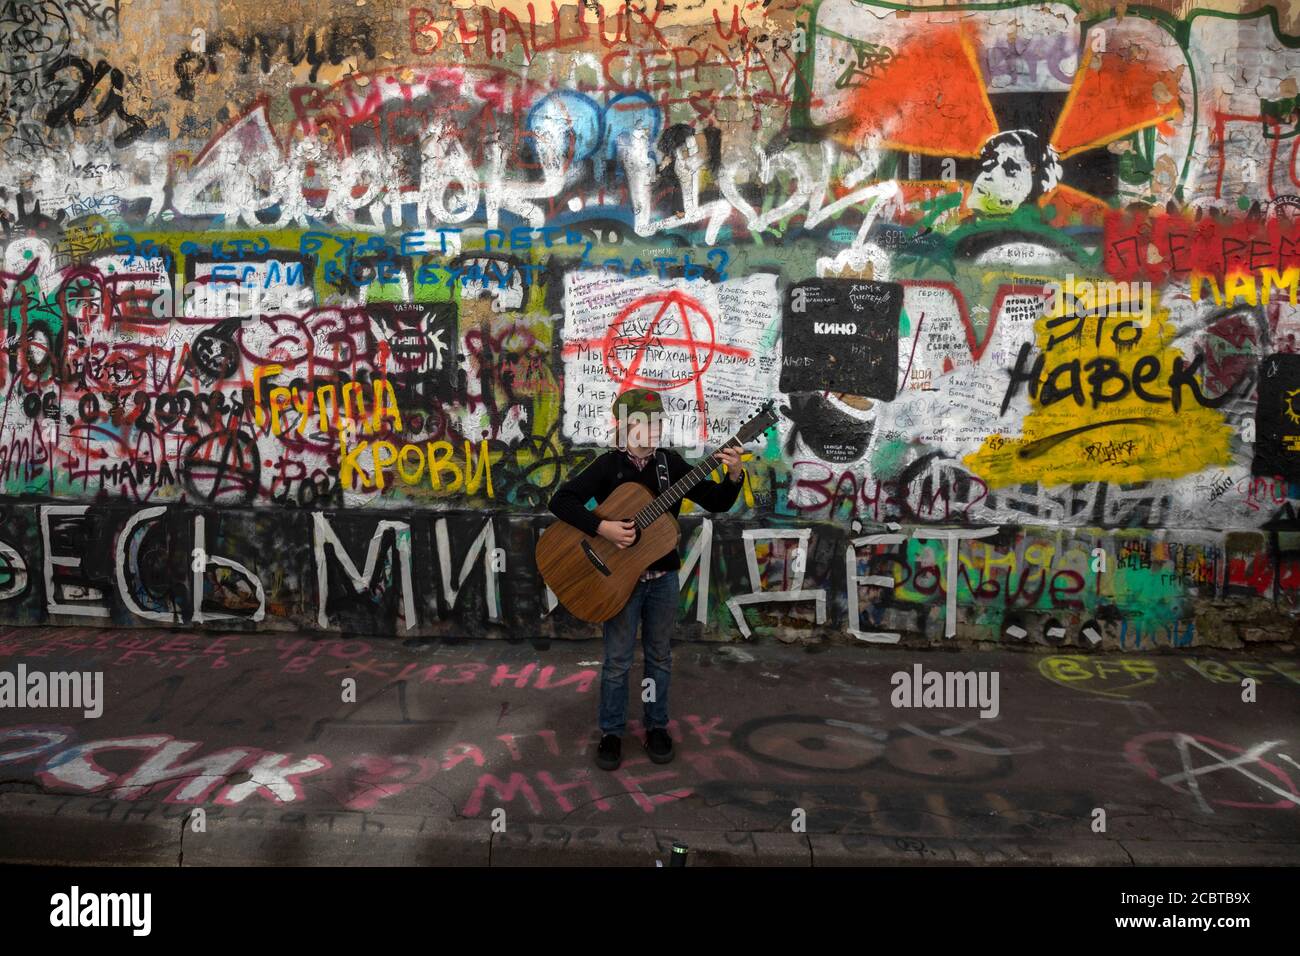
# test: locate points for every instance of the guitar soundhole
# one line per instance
(594, 558)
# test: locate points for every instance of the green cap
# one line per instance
(638, 400)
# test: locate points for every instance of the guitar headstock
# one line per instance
(761, 422)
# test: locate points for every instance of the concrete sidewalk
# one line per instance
(446, 737)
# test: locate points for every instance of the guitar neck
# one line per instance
(678, 489)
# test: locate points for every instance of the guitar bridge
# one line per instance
(594, 558)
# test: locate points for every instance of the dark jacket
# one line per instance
(611, 469)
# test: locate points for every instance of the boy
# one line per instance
(653, 604)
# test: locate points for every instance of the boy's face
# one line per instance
(640, 431)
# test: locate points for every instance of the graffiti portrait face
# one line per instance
(1005, 181)
(1016, 167)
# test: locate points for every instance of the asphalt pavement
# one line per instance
(254, 749)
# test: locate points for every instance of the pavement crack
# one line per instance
(1131, 861)
(456, 812)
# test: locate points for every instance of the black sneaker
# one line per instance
(659, 745)
(610, 752)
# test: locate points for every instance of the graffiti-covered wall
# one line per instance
(309, 308)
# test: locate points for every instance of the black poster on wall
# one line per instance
(842, 335)
(422, 339)
(1277, 418)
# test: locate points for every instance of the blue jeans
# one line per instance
(653, 606)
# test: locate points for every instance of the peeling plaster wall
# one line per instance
(310, 308)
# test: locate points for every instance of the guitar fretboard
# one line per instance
(678, 489)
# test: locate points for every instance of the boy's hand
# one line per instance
(621, 532)
(731, 458)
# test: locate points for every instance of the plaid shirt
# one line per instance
(640, 463)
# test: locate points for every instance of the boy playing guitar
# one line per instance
(653, 604)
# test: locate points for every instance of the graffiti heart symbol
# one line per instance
(768, 166)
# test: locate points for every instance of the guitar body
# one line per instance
(592, 577)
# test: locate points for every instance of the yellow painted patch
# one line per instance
(1074, 433)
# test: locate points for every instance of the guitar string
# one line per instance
(679, 488)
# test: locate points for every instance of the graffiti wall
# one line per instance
(308, 311)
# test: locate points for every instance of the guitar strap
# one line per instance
(661, 465)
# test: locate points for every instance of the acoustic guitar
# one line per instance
(593, 577)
